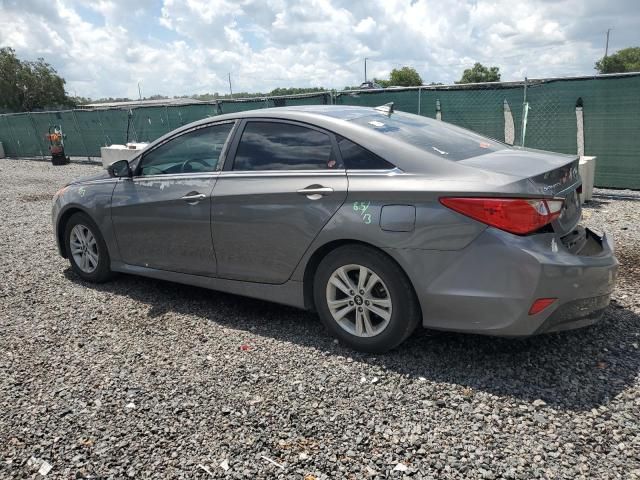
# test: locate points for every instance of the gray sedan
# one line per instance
(377, 220)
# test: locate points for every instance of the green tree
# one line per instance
(156, 97)
(405, 77)
(10, 72)
(25, 86)
(382, 83)
(81, 100)
(479, 73)
(625, 60)
(295, 91)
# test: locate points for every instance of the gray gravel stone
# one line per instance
(145, 379)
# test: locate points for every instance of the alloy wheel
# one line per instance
(84, 248)
(359, 300)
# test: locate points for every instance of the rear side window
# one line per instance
(357, 158)
(283, 146)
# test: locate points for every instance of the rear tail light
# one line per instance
(540, 304)
(514, 215)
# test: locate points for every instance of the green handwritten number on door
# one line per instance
(361, 208)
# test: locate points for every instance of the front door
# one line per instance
(162, 216)
(282, 184)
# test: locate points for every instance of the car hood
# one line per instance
(98, 176)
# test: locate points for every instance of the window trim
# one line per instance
(225, 149)
(233, 148)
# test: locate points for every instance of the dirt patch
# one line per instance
(36, 197)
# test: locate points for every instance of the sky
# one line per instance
(104, 48)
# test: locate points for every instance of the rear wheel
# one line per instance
(86, 249)
(365, 299)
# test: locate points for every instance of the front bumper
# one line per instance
(56, 207)
(489, 286)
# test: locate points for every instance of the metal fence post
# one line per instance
(75, 120)
(525, 111)
(419, 99)
(104, 133)
(35, 133)
(509, 127)
(580, 127)
(166, 112)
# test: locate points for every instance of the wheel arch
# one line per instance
(61, 226)
(321, 252)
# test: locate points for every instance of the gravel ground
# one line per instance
(141, 378)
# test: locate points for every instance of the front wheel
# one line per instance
(365, 299)
(86, 249)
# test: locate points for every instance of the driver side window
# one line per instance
(194, 152)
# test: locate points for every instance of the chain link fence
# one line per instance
(581, 115)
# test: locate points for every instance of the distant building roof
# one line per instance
(141, 103)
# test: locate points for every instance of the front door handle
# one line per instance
(193, 197)
(315, 192)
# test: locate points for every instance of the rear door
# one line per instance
(162, 216)
(281, 184)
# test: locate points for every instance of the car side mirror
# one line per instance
(119, 169)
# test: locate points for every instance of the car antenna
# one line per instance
(387, 108)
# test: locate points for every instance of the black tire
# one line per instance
(102, 271)
(405, 313)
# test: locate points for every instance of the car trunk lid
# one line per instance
(550, 175)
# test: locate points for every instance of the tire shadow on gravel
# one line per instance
(575, 370)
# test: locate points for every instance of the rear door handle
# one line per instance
(315, 192)
(193, 197)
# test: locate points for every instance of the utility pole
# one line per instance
(230, 90)
(606, 48)
(365, 69)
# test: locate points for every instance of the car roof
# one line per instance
(315, 114)
(343, 112)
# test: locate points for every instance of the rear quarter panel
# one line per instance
(359, 219)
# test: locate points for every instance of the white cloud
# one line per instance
(104, 47)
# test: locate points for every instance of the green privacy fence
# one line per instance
(540, 114)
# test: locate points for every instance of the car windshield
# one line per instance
(430, 135)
